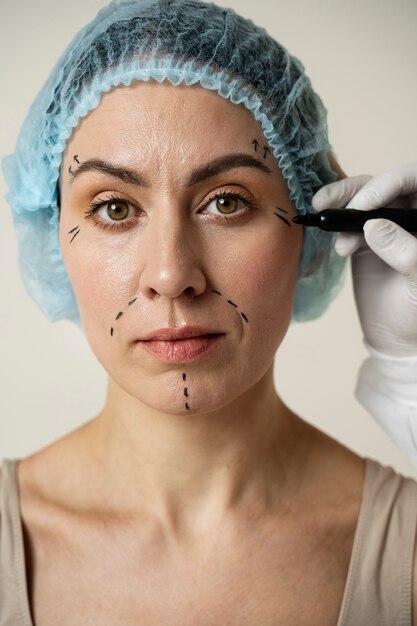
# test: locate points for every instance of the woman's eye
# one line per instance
(227, 204)
(110, 213)
(116, 210)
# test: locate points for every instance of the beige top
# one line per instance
(378, 589)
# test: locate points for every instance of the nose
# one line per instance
(173, 249)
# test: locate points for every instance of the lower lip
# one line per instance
(182, 350)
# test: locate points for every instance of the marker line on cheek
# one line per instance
(233, 304)
(74, 229)
(120, 313)
(283, 218)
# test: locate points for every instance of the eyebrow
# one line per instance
(217, 166)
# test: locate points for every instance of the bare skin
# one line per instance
(232, 509)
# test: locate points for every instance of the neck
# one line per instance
(192, 471)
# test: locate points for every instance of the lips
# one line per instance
(176, 348)
(184, 332)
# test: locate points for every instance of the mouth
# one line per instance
(182, 350)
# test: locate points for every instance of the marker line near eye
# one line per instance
(281, 217)
(75, 234)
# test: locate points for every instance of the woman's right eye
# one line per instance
(116, 209)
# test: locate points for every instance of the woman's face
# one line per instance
(162, 250)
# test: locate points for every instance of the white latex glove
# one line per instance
(384, 257)
(384, 274)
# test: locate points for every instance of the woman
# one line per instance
(156, 176)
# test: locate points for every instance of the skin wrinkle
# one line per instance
(188, 467)
(197, 175)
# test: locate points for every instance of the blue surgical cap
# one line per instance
(180, 41)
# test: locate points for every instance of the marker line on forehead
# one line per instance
(213, 168)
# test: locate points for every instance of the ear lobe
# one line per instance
(335, 166)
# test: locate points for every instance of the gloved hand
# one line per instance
(384, 257)
(385, 287)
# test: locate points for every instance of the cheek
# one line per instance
(101, 275)
(266, 276)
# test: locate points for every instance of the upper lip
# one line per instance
(180, 333)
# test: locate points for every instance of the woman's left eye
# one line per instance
(227, 205)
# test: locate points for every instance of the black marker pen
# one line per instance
(338, 220)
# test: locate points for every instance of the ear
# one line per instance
(335, 166)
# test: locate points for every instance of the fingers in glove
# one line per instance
(336, 195)
(347, 243)
(382, 189)
(393, 244)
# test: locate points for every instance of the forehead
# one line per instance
(152, 116)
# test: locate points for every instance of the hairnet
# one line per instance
(181, 41)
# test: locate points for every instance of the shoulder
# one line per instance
(393, 507)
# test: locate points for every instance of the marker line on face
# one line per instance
(75, 234)
(281, 217)
(120, 313)
(266, 151)
(233, 304)
(187, 406)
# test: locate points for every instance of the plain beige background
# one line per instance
(361, 56)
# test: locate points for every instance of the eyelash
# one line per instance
(123, 224)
